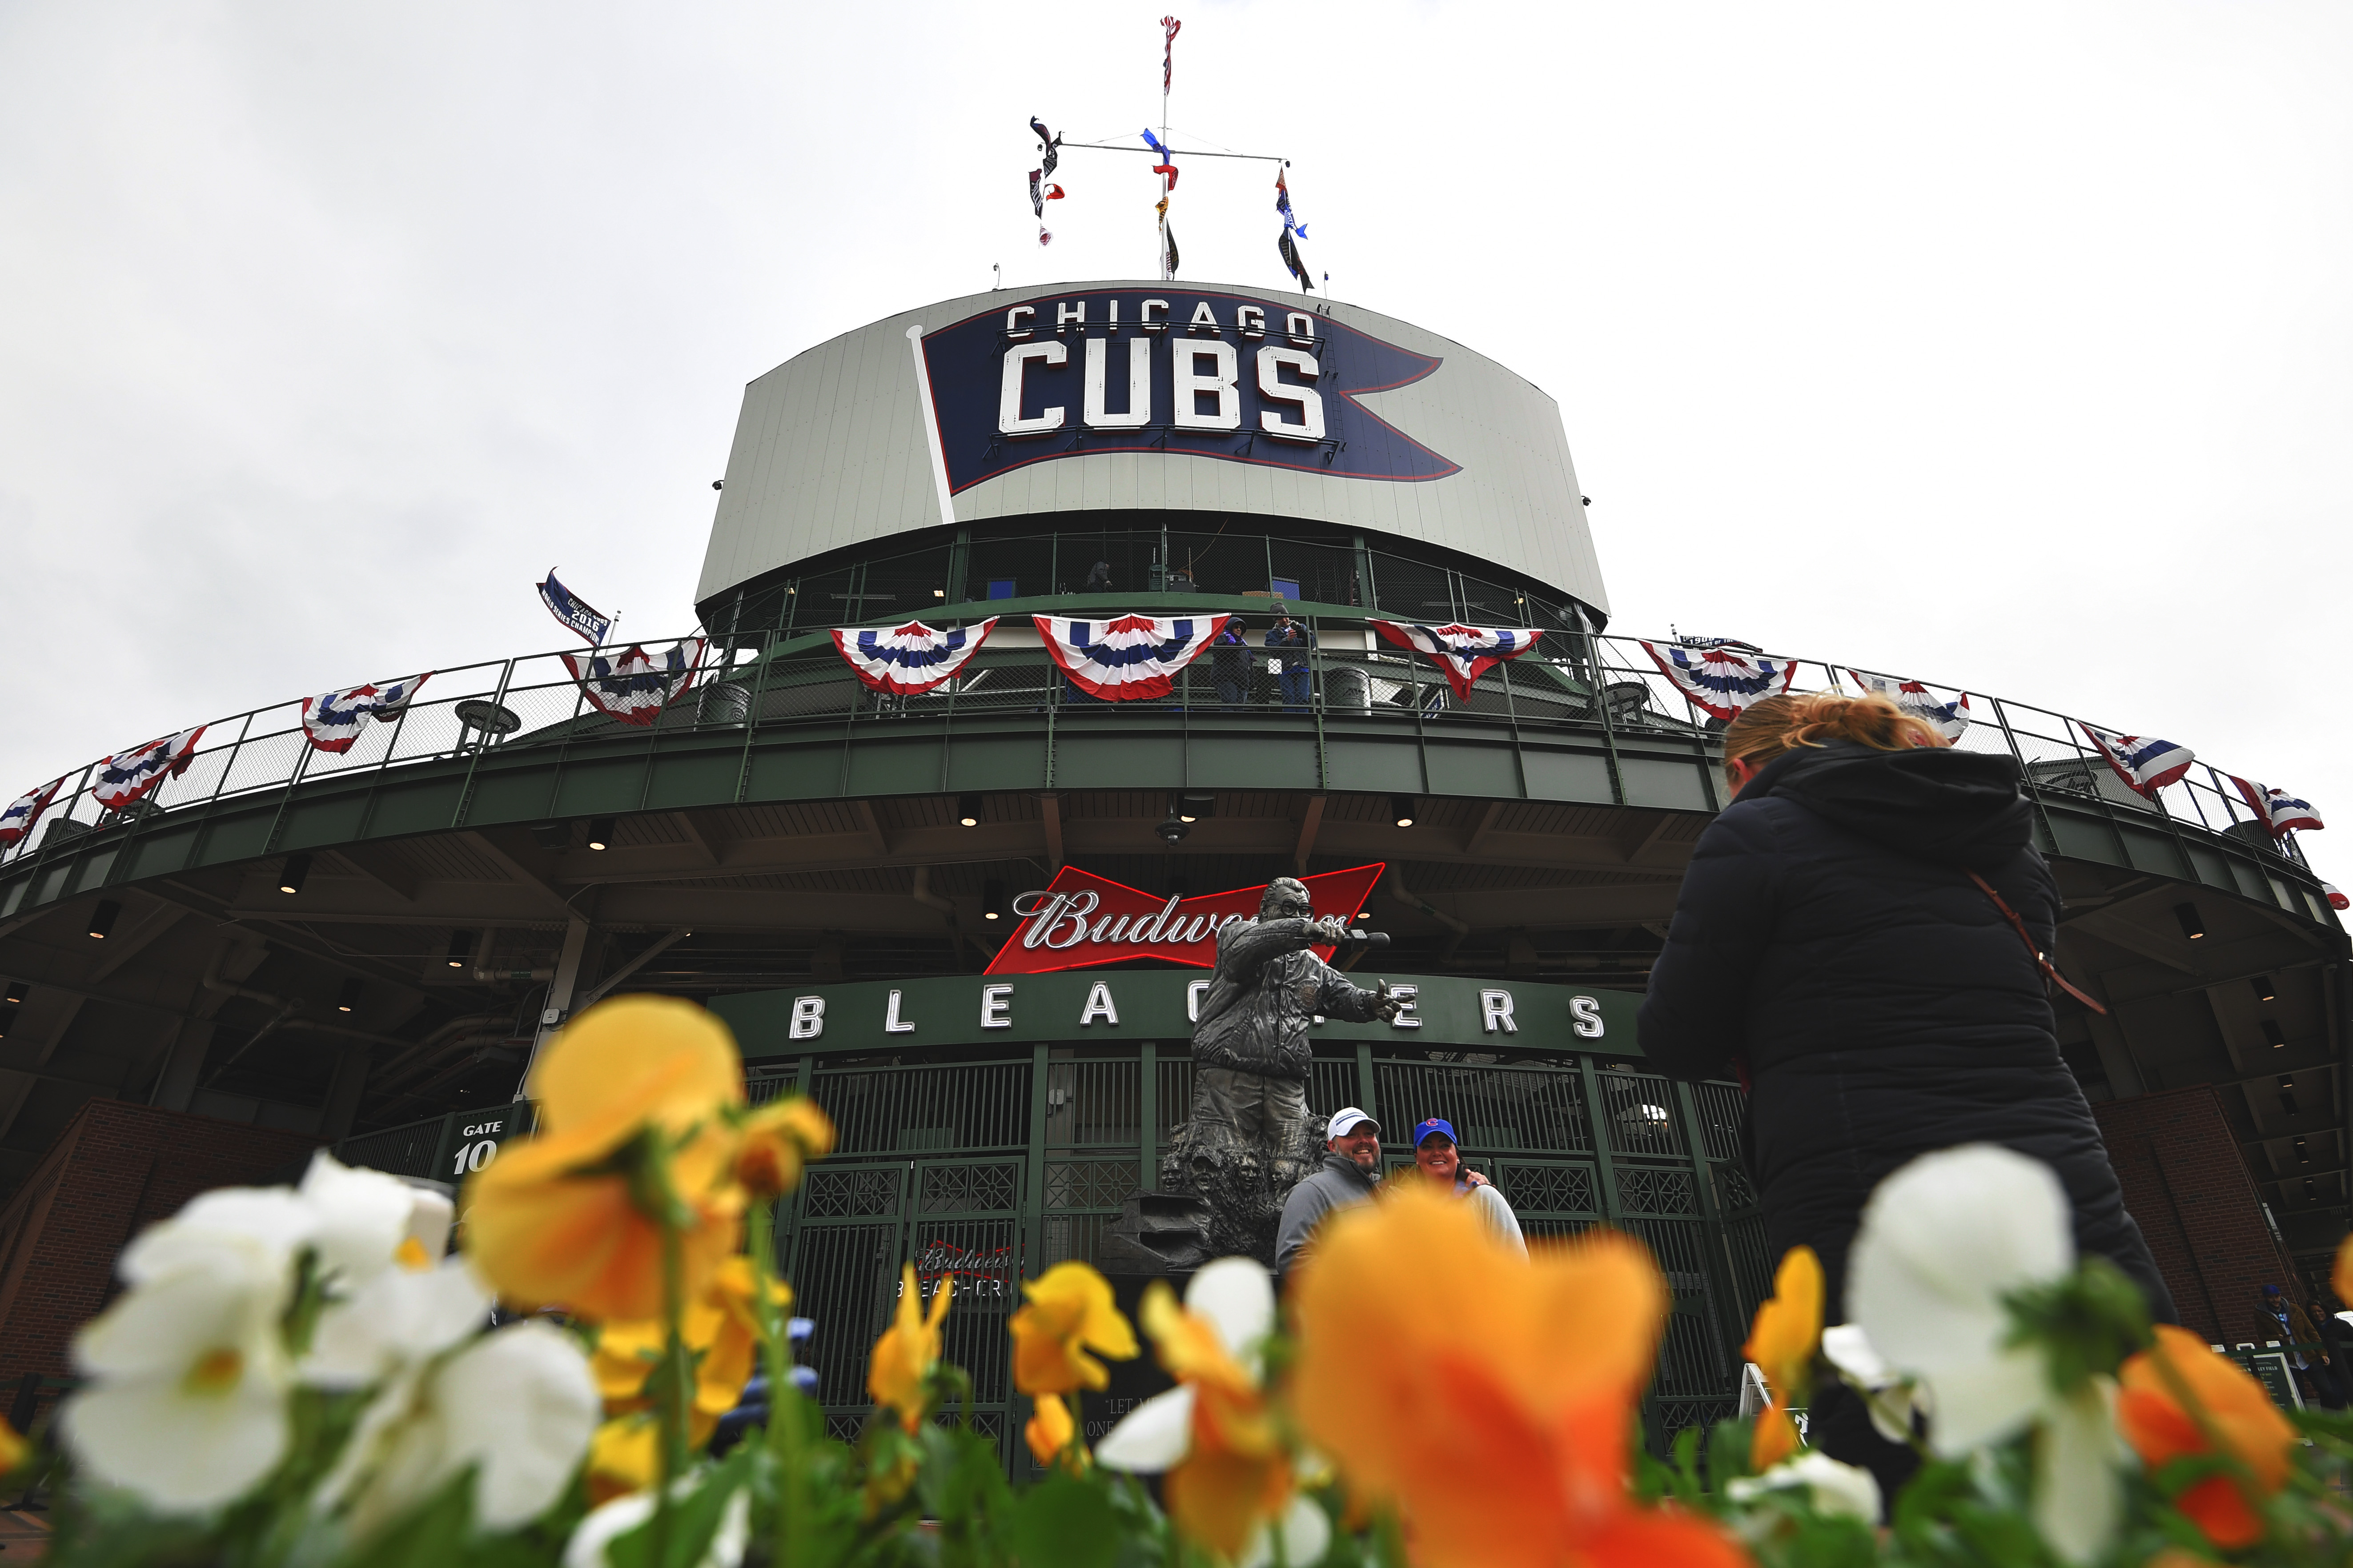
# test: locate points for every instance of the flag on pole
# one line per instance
(1283, 204)
(2146, 763)
(127, 775)
(575, 612)
(1949, 718)
(2276, 809)
(17, 822)
(1167, 164)
(1167, 245)
(909, 660)
(1290, 253)
(1462, 653)
(1127, 659)
(1168, 27)
(1721, 681)
(331, 721)
(637, 686)
(1052, 145)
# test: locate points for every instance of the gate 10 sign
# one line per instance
(472, 1140)
(1171, 371)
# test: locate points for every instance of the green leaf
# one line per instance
(1067, 1522)
(2086, 1323)
(430, 1535)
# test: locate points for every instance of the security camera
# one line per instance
(1172, 830)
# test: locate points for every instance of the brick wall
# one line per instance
(2186, 1183)
(115, 1169)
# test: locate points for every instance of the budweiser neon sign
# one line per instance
(1081, 919)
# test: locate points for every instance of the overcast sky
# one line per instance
(2007, 345)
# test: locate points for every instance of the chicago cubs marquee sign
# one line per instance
(1169, 370)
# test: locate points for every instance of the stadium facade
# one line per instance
(364, 947)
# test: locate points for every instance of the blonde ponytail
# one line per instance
(1775, 725)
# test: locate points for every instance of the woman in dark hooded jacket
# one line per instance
(1830, 947)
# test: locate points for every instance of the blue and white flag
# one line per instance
(2146, 763)
(2276, 809)
(1721, 681)
(1283, 204)
(637, 686)
(575, 612)
(1128, 658)
(17, 822)
(1949, 718)
(331, 721)
(905, 660)
(1463, 653)
(127, 775)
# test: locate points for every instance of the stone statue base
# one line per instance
(1157, 1233)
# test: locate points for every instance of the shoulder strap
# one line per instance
(2050, 970)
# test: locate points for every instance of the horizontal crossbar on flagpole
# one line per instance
(1173, 151)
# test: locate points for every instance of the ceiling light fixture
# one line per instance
(348, 997)
(601, 832)
(101, 919)
(461, 943)
(2191, 926)
(968, 810)
(2265, 990)
(290, 875)
(1401, 809)
(992, 898)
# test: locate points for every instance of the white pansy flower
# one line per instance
(396, 1320)
(1236, 1297)
(361, 1217)
(187, 1407)
(1835, 1488)
(1942, 1241)
(1891, 1397)
(519, 1403)
(623, 1514)
(271, 1222)
(1305, 1532)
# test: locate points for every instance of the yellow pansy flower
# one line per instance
(1070, 1313)
(901, 1367)
(1783, 1341)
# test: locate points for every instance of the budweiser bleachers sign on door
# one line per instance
(1081, 919)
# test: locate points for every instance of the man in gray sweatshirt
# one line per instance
(1351, 1165)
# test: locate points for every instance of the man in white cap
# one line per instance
(1352, 1162)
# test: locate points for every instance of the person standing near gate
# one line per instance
(1861, 938)
(1347, 1176)
(1437, 1159)
(1290, 641)
(1230, 654)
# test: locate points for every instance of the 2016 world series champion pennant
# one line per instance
(331, 721)
(1128, 658)
(910, 660)
(2146, 763)
(636, 686)
(1462, 653)
(1721, 681)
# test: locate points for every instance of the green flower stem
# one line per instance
(676, 1384)
(784, 1399)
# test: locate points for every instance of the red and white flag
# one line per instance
(128, 775)
(17, 822)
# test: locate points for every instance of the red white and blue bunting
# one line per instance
(2276, 809)
(636, 686)
(1128, 658)
(1462, 653)
(909, 660)
(127, 775)
(332, 719)
(1949, 718)
(17, 822)
(1721, 681)
(2146, 763)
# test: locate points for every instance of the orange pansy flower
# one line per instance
(779, 1139)
(1783, 1341)
(1498, 1412)
(552, 1223)
(2160, 1430)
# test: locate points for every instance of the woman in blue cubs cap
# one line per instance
(1437, 1155)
